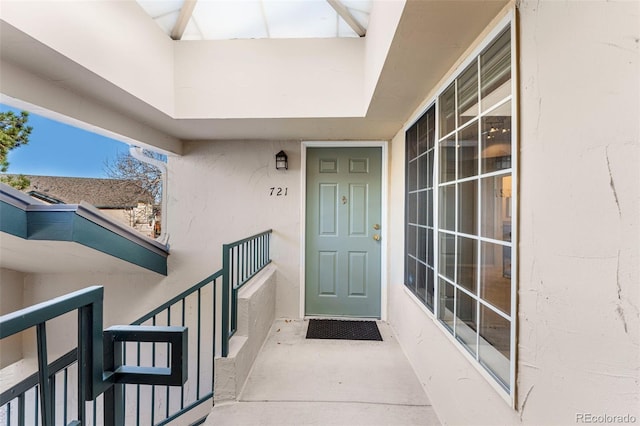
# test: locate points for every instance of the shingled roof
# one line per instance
(102, 193)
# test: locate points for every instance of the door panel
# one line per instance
(343, 214)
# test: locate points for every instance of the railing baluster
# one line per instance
(182, 323)
(21, 411)
(37, 404)
(65, 395)
(153, 387)
(138, 390)
(198, 350)
(43, 373)
(168, 361)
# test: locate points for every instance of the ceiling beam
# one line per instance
(347, 17)
(183, 19)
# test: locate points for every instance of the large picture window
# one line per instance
(460, 207)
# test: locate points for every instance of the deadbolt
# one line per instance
(376, 226)
(376, 237)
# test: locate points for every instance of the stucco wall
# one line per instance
(221, 192)
(11, 295)
(578, 310)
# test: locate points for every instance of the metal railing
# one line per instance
(241, 260)
(196, 309)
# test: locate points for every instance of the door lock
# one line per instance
(376, 237)
(376, 226)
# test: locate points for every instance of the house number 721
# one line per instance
(278, 192)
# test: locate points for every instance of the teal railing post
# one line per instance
(226, 282)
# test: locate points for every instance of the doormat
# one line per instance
(345, 330)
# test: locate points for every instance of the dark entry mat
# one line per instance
(340, 329)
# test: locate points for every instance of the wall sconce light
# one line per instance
(281, 161)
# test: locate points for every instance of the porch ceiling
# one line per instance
(430, 36)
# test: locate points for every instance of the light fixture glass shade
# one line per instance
(281, 161)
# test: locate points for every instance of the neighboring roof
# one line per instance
(102, 193)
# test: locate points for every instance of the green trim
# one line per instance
(13, 220)
(91, 235)
(68, 225)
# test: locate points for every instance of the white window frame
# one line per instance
(508, 21)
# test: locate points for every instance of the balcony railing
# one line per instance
(195, 310)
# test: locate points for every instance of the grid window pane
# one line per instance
(447, 110)
(411, 274)
(495, 343)
(412, 143)
(412, 175)
(467, 256)
(430, 247)
(412, 232)
(447, 255)
(468, 151)
(423, 207)
(430, 156)
(466, 322)
(422, 245)
(423, 134)
(431, 129)
(496, 207)
(423, 172)
(446, 304)
(496, 139)
(495, 276)
(412, 208)
(430, 288)
(495, 71)
(448, 159)
(448, 207)
(468, 94)
(421, 281)
(468, 207)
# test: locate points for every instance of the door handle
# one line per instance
(376, 237)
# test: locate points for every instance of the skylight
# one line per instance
(249, 19)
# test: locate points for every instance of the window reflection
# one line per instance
(468, 151)
(495, 71)
(495, 276)
(466, 325)
(447, 255)
(496, 207)
(446, 304)
(467, 263)
(448, 159)
(447, 110)
(468, 94)
(496, 139)
(495, 343)
(468, 207)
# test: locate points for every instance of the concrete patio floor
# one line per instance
(299, 381)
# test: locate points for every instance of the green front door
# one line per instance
(343, 209)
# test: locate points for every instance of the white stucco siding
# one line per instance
(270, 78)
(220, 192)
(578, 302)
(579, 185)
(11, 299)
(120, 30)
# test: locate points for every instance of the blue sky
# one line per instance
(57, 149)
